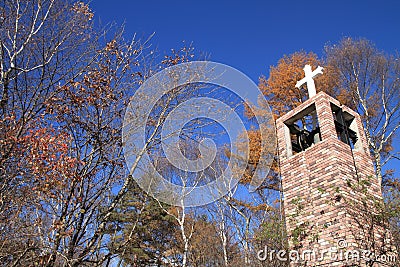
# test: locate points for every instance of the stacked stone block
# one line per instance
(321, 187)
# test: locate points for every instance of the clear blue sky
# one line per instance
(252, 35)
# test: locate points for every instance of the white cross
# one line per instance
(309, 75)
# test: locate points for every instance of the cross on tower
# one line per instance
(309, 75)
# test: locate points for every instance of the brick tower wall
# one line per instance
(318, 186)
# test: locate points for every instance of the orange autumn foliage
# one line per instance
(280, 88)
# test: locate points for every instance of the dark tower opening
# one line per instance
(343, 121)
(304, 130)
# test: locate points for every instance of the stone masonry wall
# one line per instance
(322, 195)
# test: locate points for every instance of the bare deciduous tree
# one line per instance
(371, 79)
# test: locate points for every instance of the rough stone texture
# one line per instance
(318, 197)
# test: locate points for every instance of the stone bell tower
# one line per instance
(329, 184)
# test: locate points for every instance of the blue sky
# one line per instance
(252, 35)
